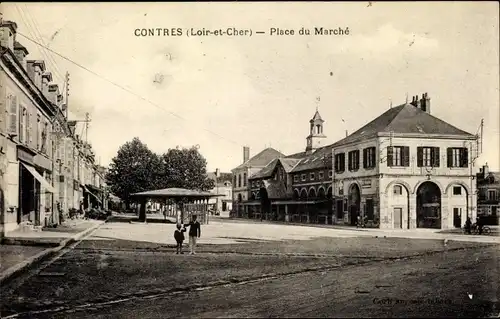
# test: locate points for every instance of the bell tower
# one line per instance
(316, 137)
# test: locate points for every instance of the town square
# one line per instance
(257, 167)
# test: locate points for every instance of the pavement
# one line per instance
(127, 269)
(21, 249)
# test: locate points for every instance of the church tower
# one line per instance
(316, 137)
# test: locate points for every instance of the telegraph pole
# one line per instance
(67, 94)
(87, 120)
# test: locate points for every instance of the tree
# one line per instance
(134, 169)
(185, 168)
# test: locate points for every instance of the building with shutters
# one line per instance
(488, 195)
(40, 155)
(405, 169)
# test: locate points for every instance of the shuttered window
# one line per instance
(457, 157)
(369, 157)
(428, 156)
(22, 124)
(340, 162)
(353, 159)
(13, 114)
(398, 156)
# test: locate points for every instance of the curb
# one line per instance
(18, 268)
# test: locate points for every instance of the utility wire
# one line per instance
(37, 31)
(34, 34)
(123, 88)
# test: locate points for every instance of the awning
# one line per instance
(94, 195)
(40, 178)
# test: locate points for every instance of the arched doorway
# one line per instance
(354, 198)
(428, 206)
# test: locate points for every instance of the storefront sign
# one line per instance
(43, 162)
(25, 156)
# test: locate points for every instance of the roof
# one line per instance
(19, 46)
(320, 158)
(222, 178)
(262, 159)
(317, 117)
(403, 119)
(175, 192)
(287, 163)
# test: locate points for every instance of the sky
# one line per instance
(223, 93)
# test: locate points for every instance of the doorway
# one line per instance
(354, 203)
(428, 206)
(457, 217)
(398, 217)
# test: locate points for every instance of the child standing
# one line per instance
(179, 237)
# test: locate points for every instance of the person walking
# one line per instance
(194, 234)
(468, 225)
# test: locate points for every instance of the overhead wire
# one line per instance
(124, 88)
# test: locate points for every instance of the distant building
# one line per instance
(223, 186)
(241, 173)
(488, 195)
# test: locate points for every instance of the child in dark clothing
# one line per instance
(179, 237)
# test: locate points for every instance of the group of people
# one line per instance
(468, 225)
(194, 234)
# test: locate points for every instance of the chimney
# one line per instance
(53, 92)
(20, 52)
(246, 153)
(46, 79)
(485, 169)
(8, 31)
(35, 69)
(425, 103)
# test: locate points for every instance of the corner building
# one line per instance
(406, 169)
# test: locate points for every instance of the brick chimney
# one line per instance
(8, 31)
(20, 52)
(246, 153)
(425, 103)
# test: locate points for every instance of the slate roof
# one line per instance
(321, 158)
(262, 159)
(403, 119)
(224, 177)
(317, 117)
(287, 163)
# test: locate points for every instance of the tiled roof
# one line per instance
(222, 177)
(289, 163)
(262, 159)
(403, 119)
(321, 158)
(298, 155)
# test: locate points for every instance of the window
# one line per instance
(244, 179)
(295, 178)
(321, 175)
(457, 156)
(22, 123)
(312, 176)
(398, 190)
(281, 175)
(428, 156)
(252, 184)
(398, 156)
(234, 180)
(29, 128)
(13, 115)
(353, 157)
(492, 194)
(330, 174)
(369, 157)
(457, 190)
(239, 180)
(303, 177)
(340, 162)
(38, 133)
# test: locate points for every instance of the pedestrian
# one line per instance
(194, 234)
(468, 225)
(179, 237)
(479, 224)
